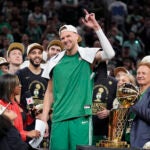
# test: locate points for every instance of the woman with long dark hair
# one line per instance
(9, 88)
(10, 138)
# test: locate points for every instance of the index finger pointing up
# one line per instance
(86, 12)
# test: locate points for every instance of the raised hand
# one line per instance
(90, 20)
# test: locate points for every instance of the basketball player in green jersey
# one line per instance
(70, 86)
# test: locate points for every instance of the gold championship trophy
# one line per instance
(126, 95)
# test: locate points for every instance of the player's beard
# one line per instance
(35, 65)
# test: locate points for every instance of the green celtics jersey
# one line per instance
(72, 88)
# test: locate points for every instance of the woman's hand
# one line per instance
(34, 134)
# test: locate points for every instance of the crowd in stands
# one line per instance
(126, 24)
(29, 37)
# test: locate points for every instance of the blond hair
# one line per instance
(143, 64)
(131, 78)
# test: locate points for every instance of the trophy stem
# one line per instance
(117, 121)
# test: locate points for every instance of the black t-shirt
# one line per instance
(104, 90)
(33, 83)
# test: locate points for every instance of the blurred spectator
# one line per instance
(1, 41)
(3, 66)
(4, 23)
(44, 44)
(50, 32)
(16, 32)
(5, 45)
(51, 7)
(130, 65)
(24, 12)
(145, 34)
(133, 43)
(125, 51)
(89, 37)
(80, 29)
(8, 34)
(7, 9)
(16, 17)
(118, 11)
(34, 31)
(39, 17)
(134, 19)
(117, 34)
(25, 41)
(69, 9)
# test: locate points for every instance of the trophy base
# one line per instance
(113, 144)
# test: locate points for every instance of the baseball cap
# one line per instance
(70, 28)
(146, 59)
(3, 61)
(33, 46)
(3, 108)
(15, 45)
(55, 42)
(118, 69)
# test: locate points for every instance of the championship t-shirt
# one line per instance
(34, 84)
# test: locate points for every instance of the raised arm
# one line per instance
(91, 22)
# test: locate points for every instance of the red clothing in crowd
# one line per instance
(18, 123)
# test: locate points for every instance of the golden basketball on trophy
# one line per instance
(127, 94)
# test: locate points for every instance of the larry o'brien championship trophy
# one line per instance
(127, 95)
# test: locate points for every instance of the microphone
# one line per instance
(30, 102)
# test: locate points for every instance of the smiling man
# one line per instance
(70, 86)
(141, 124)
(33, 85)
